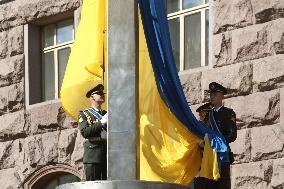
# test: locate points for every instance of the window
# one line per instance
(189, 30)
(50, 176)
(47, 43)
(53, 180)
(56, 47)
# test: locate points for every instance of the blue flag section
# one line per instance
(155, 25)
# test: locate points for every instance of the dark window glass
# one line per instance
(172, 6)
(191, 3)
(175, 39)
(48, 77)
(206, 37)
(64, 32)
(48, 36)
(192, 41)
(63, 55)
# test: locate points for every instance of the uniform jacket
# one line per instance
(226, 122)
(90, 128)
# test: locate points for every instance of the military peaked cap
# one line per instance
(204, 108)
(97, 89)
(216, 87)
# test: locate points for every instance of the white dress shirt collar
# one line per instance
(96, 109)
(217, 109)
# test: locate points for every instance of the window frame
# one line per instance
(55, 48)
(181, 14)
(39, 174)
(32, 52)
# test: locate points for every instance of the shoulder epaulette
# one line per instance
(226, 108)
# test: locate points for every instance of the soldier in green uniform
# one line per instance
(225, 119)
(93, 127)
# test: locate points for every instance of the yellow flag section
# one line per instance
(209, 165)
(168, 152)
(86, 61)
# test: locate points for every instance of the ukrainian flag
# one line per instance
(169, 132)
(87, 61)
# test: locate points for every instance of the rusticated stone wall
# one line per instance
(30, 138)
(248, 58)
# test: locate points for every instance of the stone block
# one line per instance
(241, 146)
(250, 43)
(50, 147)
(258, 41)
(231, 14)
(44, 118)
(4, 43)
(277, 35)
(277, 180)
(40, 150)
(191, 84)
(11, 154)
(282, 107)
(16, 40)
(16, 97)
(4, 150)
(64, 120)
(5, 1)
(66, 145)
(253, 175)
(13, 126)
(268, 73)
(12, 70)
(267, 142)
(37, 151)
(261, 108)
(77, 155)
(11, 98)
(3, 101)
(265, 11)
(222, 49)
(236, 78)
(28, 11)
(4, 13)
(69, 122)
(33, 151)
(10, 180)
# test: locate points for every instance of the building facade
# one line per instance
(246, 41)
(239, 43)
(40, 148)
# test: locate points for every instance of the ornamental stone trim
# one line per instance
(37, 175)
